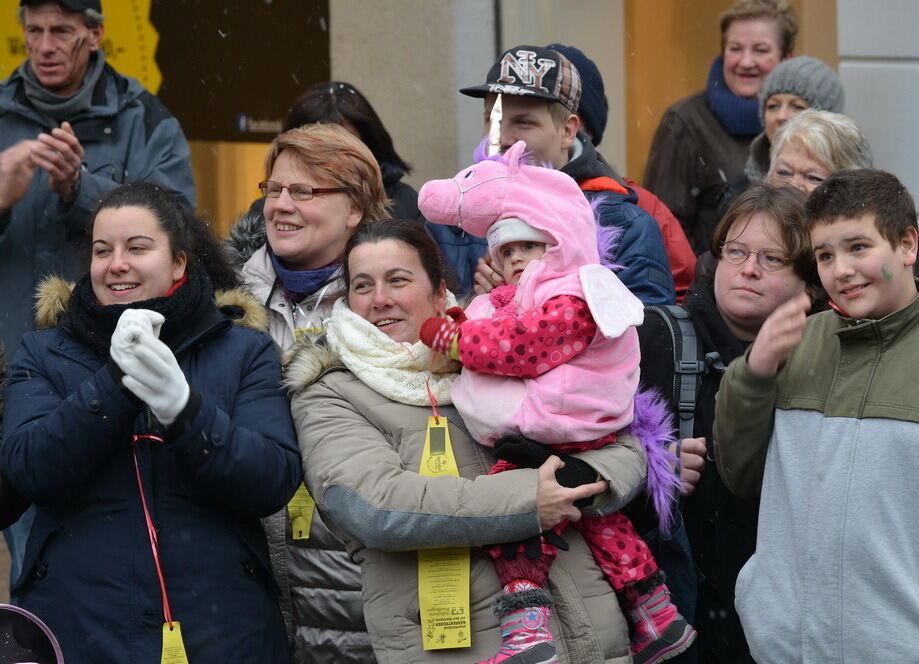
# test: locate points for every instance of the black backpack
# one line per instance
(690, 363)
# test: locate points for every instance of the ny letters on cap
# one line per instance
(532, 71)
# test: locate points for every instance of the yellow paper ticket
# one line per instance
(173, 646)
(443, 574)
(300, 512)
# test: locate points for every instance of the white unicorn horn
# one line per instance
(494, 129)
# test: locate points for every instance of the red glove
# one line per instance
(457, 314)
(441, 334)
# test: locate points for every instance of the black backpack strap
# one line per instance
(688, 365)
(690, 362)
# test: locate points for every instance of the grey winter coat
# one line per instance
(320, 586)
(360, 452)
(127, 134)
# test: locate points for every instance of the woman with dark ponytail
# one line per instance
(147, 426)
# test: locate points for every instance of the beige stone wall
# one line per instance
(595, 27)
(409, 57)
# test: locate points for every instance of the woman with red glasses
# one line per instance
(320, 183)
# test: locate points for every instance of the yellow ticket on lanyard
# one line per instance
(443, 574)
(300, 512)
(173, 646)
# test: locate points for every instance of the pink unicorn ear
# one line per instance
(513, 155)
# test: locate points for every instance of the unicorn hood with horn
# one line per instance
(590, 395)
(593, 393)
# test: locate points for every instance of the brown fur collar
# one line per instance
(304, 362)
(52, 298)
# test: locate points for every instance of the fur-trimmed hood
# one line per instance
(304, 362)
(52, 299)
(247, 235)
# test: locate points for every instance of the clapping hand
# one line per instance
(151, 371)
(16, 172)
(61, 155)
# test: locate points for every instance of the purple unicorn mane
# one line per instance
(652, 424)
(607, 237)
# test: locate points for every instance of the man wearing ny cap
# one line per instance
(71, 128)
(540, 92)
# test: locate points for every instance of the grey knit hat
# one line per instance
(808, 78)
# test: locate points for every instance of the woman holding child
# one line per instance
(362, 409)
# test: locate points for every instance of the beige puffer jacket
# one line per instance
(360, 452)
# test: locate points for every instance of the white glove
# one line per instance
(153, 375)
(131, 324)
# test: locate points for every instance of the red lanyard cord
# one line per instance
(151, 530)
(427, 385)
(433, 400)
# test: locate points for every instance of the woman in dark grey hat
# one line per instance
(795, 85)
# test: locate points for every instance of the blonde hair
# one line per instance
(558, 112)
(832, 139)
(779, 10)
(333, 154)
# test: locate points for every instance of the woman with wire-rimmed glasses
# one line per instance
(320, 183)
(761, 258)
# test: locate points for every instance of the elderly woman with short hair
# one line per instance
(813, 145)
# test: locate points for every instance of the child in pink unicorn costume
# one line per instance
(553, 357)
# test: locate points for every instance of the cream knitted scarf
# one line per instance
(399, 371)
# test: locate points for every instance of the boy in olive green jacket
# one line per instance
(822, 417)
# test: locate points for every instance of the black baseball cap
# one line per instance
(532, 71)
(72, 5)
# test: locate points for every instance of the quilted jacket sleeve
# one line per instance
(358, 478)
(744, 417)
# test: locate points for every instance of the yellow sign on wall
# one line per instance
(129, 40)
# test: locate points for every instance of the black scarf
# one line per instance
(700, 302)
(93, 323)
